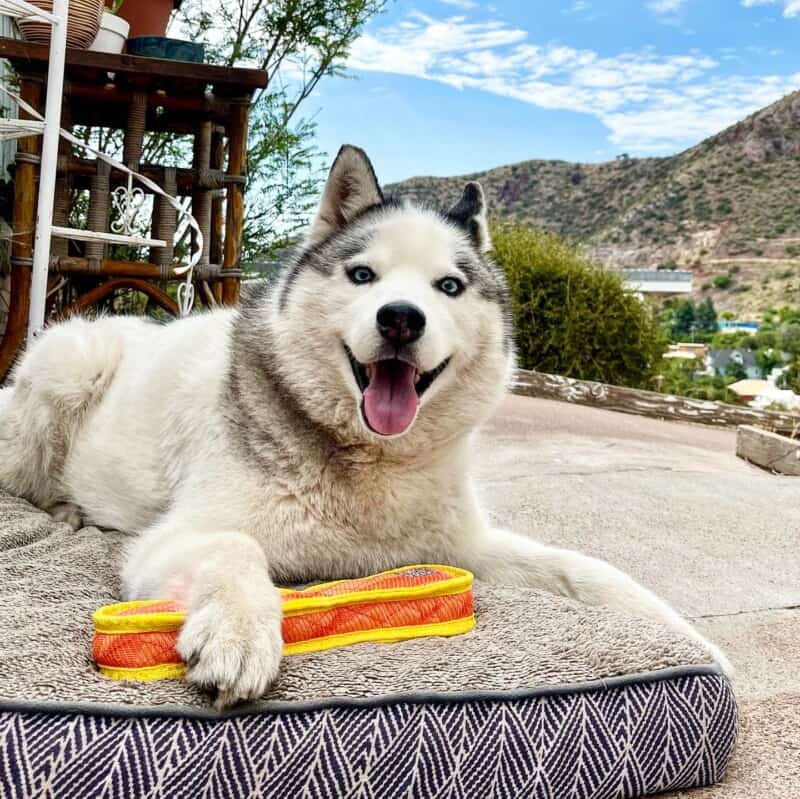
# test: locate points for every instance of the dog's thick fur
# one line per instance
(235, 445)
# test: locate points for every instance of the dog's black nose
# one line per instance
(400, 322)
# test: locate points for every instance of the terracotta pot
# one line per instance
(83, 22)
(147, 17)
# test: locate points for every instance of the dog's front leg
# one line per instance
(506, 558)
(231, 640)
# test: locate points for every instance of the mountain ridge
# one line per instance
(729, 205)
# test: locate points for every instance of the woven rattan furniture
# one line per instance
(135, 95)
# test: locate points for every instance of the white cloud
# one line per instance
(665, 6)
(791, 8)
(648, 101)
(466, 4)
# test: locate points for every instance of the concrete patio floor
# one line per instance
(671, 504)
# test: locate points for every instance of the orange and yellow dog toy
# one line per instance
(136, 640)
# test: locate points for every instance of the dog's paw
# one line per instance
(232, 645)
(68, 513)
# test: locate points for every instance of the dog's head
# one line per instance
(391, 320)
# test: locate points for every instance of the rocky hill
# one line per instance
(728, 206)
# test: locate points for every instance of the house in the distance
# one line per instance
(723, 362)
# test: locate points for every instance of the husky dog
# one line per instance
(320, 431)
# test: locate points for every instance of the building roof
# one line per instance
(750, 388)
(688, 351)
(721, 359)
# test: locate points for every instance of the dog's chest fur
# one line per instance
(333, 513)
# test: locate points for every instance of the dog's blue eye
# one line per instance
(451, 286)
(361, 274)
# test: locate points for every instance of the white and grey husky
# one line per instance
(321, 430)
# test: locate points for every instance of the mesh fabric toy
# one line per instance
(136, 640)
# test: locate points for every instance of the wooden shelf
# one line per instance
(136, 70)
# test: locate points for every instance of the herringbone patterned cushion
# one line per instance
(545, 699)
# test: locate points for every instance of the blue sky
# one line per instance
(446, 87)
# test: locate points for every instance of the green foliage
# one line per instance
(791, 377)
(573, 317)
(735, 371)
(790, 338)
(767, 359)
(682, 320)
(765, 338)
(787, 314)
(678, 377)
(732, 341)
(724, 207)
(722, 281)
(706, 316)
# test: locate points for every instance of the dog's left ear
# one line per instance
(470, 213)
(351, 188)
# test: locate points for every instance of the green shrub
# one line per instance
(722, 281)
(724, 207)
(791, 377)
(571, 316)
(679, 377)
(790, 338)
(732, 341)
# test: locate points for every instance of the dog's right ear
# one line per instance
(469, 213)
(351, 188)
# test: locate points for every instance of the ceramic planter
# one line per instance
(112, 35)
(161, 47)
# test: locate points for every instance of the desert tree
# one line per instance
(297, 43)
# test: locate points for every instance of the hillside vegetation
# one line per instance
(729, 206)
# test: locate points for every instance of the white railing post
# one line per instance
(49, 165)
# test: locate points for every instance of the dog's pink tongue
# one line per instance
(390, 401)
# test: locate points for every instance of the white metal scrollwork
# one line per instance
(127, 201)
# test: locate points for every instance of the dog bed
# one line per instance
(544, 698)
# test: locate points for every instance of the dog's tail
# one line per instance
(66, 371)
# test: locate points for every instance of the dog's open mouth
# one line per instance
(390, 392)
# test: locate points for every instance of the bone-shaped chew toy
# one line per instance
(136, 640)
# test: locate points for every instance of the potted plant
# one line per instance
(148, 17)
(113, 31)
